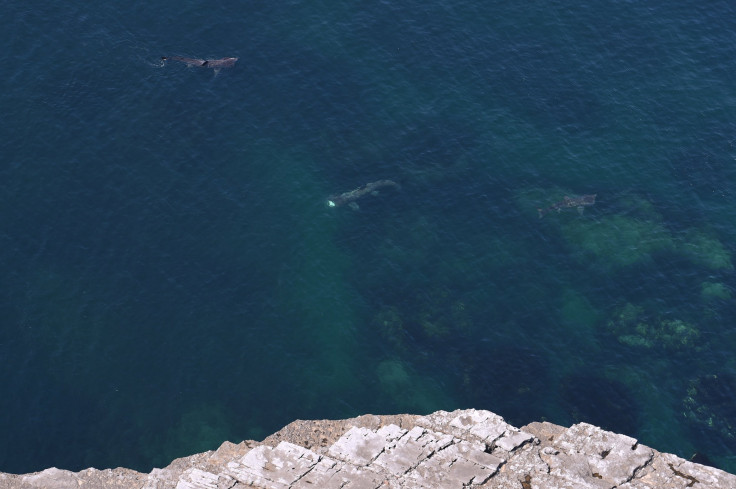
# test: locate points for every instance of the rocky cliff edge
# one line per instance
(467, 448)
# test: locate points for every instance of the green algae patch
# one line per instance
(435, 315)
(617, 241)
(713, 291)
(633, 233)
(635, 340)
(632, 326)
(705, 250)
(675, 334)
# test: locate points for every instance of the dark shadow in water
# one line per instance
(706, 172)
(510, 380)
(710, 406)
(702, 164)
(552, 99)
(601, 402)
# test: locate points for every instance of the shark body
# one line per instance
(353, 195)
(578, 203)
(215, 64)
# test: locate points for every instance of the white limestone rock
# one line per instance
(513, 439)
(52, 478)
(200, 479)
(609, 456)
(670, 471)
(360, 446)
(276, 467)
(442, 450)
(409, 450)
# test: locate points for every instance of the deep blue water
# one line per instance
(172, 277)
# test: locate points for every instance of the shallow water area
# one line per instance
(172, 276)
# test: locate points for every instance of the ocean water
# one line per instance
(172, 277)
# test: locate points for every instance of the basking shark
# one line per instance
(215, 64)
(578, 203)
(353, 195)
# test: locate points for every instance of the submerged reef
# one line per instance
(617, 241)
(432, 315)
(714, 291)
(632, 326)
(705, 250)
(390, 326)
(629, 231)
(709, 405)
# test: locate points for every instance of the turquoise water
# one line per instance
(172, 276)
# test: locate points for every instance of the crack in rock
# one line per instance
(442, 450)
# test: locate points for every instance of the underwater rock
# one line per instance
(706, 251)
(390, 326)
(712, 291)
(710, 403)
(633, 231)
(672, 334)
(440, 313)
(433, 315)
(633, 327)
(617, 241)
(676, 334)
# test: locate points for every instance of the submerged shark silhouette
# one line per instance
(215, 64)
(353, 195)
(578, 203)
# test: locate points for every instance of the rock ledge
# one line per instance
(468, 448)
